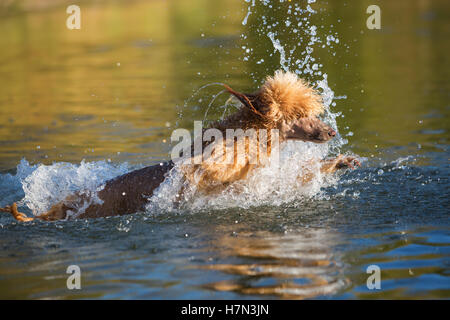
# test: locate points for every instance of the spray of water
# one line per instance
(45, 185)
(270, 185)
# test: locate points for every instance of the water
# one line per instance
(112, 95)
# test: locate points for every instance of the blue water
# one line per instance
(112, 92)
(397, 220)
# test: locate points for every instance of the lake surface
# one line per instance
(81, 106)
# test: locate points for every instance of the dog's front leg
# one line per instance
(341, 162)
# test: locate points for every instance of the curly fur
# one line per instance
(284, 102)
(283, 97)
(289, 97)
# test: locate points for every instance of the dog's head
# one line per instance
(289, 104)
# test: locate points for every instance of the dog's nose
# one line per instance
(331, 133)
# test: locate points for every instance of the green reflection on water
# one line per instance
(113, 85)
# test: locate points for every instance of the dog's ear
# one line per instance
(243, 98)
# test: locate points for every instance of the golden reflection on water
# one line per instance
(110, 87)
(297, 265)
(111, 90)
(114, 85)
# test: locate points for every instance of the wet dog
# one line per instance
(284, 103)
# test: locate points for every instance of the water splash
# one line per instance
(195, 94)
(284, 63)
(46, 185)
(295, 42)
(41, 186)
(275, 184)
(272, 185)
(249, 12)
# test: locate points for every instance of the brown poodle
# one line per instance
(285, 106)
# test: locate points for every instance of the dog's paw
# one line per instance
(347, 162)
(15, 213)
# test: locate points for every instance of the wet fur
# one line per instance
(281, 99)
(284, 102)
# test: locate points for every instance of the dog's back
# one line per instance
(284, 103)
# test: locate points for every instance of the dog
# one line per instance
(284, 103)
